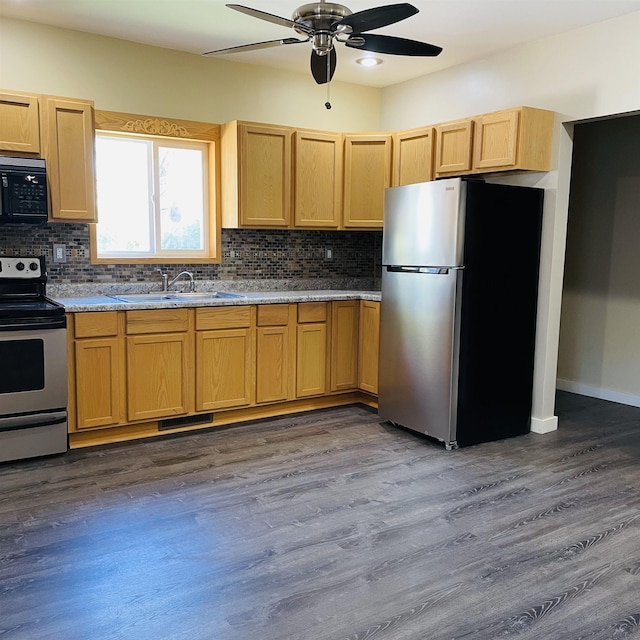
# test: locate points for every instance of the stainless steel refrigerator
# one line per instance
(458, 313)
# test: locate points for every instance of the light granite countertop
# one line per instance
(108, 303)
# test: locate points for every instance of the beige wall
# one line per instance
(589, 72)
(599, 339)
(124, 76)
(584, 73)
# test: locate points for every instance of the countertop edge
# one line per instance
(106, 303)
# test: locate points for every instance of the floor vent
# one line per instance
(186, 421)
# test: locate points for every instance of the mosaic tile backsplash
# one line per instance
(246, 254)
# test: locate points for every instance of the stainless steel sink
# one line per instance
(170, 296)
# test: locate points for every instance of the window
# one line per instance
(155, 190)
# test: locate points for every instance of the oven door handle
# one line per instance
(32, 420)
(33, 325)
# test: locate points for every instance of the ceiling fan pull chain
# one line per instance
(327, 104)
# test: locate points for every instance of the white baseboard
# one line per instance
(598, 392)
(544, 425)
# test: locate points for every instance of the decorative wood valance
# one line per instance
(155, 126)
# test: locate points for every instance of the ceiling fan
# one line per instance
(324, 23)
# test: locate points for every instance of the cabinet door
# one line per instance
(68, 147)
(368, 356)
(223, 369)
(99, 377)
(317, 179)
(265, 176)
(413, 156)
(453, 147)
(158, 375)
(19, 123)
(495, 143)
(272, 364)
(344, 345)
(367, 173)
(311, 360)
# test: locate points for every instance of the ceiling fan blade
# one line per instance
(377, 17)
(323, 67)
(256, 45)
(391, 45)
(269, 17)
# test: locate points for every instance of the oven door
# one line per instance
(33, 375)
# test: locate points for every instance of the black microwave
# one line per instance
(23, 190)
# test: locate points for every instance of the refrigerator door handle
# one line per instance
(431, 270)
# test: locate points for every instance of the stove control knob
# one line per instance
(20, 266)
(34, 266)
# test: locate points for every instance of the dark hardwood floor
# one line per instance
(329, 526)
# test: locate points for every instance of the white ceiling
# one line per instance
(466, 29)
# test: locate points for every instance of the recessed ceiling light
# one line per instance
(369, 62)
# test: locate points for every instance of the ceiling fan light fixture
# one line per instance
(369, 61)
(324, 23)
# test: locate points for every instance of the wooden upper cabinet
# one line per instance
(495, 140)
(453, 149)
(256, 175)
(513, 139)
(317, 161)
(19, 123)
(518, 138)
(367, 173)
(413, 156)
(68, 147)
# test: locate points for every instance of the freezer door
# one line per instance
(424, 224)
(419, 337)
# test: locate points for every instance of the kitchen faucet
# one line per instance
(166, 284)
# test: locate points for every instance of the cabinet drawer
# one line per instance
(157, 321)
(94, 324)
(312, 312)
(273, 315)
(223, 318)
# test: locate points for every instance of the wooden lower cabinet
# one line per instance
(99, 376)
(272, 364)
(224, 374)
(344, 345)
(274, 352)
(369, 339)
(311, 360)
(130, 367)
(311, 349)
(97, 370)
(224, 357)
(159, 375)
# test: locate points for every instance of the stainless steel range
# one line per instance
(33, 363)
